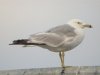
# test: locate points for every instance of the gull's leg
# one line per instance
(63, 60)
(61, 55)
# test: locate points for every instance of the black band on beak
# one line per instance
(90, 26)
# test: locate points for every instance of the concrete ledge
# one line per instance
(70, 70)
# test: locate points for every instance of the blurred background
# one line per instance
(21, 18)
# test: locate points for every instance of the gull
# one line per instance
(59, 39)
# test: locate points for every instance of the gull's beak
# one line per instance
(88, 26)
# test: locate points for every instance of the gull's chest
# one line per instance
(80, 35)
(73, 41)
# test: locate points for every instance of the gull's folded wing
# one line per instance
(50, 39)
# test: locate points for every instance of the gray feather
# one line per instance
(63, 30)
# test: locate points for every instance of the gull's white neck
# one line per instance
(74, 25)
(78, 30)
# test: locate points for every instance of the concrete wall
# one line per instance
(70, 70)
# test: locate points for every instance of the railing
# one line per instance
(70, 70)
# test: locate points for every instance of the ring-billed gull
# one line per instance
(58, 39)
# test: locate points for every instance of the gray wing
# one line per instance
(63, 30)
(50, 39)
(55, 36)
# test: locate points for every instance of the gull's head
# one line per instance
(79, 24)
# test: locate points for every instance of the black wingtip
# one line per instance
(24, 42)
(19, 41)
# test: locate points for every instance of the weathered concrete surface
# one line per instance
(70, 70)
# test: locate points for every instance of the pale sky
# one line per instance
(21, 18)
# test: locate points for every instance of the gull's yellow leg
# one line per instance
(63, 60)
(61, 55)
